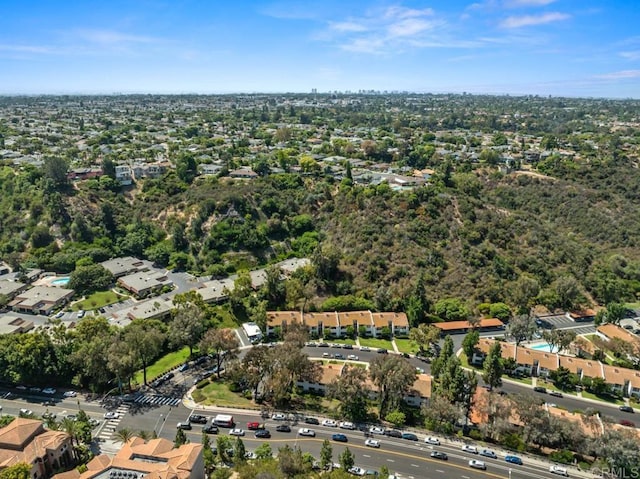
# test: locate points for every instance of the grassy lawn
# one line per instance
(376, 343)
(98, 300)
(163, 364)
(406, 346)
(520, 380)
(589, 395)
(340, 341)
(551, 387)
(224, 317)
(217, 393)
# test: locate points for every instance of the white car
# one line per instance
(329, 423)
(70, 394)
(59, 314)
(305, 431)
(236, 432)
(278, 417)
(347, 425)
(111, 415)
(432, 440)
(372, 443)
(357, 471)
(477, 464)
(365, 348)
(561, 471)
(49, 391)
(80, 314)
(353, 357)
(376, 430)
(469, 448)
(26, 412)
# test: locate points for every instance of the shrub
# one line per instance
(563, 456)
(202, 383)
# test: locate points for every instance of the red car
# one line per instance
(252, 426)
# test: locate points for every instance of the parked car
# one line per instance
(339, 437)
(376, 430)
(329, 423)
(70, 394)
(338, 356)
(382, 351)
(210, 429)
(488, 453)
(304, 431)
(198, 419)
(236, 432)
(513, 460)
(347, 425)
(540, 389)
(561, 471)
(557, 394)
(372, 443)
(477, 464)
(409, 436)
(278, 417)
(48, 402)
(470, 448)
(49, 391)
(627, 423)
(626, 409)
(347, 346)
(80, 314)
(352, 357)
(262, 434)
(432, 440)
(183, 368)
(439, 455)
(59, 314)
(311, 420)
(393, 433)
(365, 348)
(283, 428)
(184, 425)
(357, 471)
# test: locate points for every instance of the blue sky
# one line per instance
(547, 47)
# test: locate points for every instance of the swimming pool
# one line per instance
(541, 347)
(62, 281)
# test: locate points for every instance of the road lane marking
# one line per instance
(415, 465)
(440, 471)
(390, 460)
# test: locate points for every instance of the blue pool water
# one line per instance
(61, 281)
(541, 347)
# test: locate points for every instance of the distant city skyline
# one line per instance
(577, 48)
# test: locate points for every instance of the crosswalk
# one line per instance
(111, 425)
(157, 400)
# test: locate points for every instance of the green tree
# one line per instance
(425, 336)
(470, 342)
(350, 389)
(144, 339)
(346, 459)
(124, 435)
(521, 328)
(56, 170)
(500, 311)
(94, 277)
(186, 167)
(223, 344)
(181, 438)
(263, 451)
(20, 470)
(326, 454)
(492, 367)
(393, 375)
(417, 305)
(187, 326)
(397, 418)
(445, 353)
(451, 309)
(239, 451)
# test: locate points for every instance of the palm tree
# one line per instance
(70, 426)
(144, 435)
(124, 435)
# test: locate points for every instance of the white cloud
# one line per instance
(527, 3)
(530, 20)
(409, 27)
(620, 75)
(348, 27)
(111, 37)
(26, 49)
(632, 55)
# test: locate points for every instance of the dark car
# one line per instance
(382, 351)
(540, 389)
(513, 460)
(339, 437)
(263, 433)
(311, 420)
(198, 419)
(409, 436)
(392, 433)
(557, 394)
(338, 356)
(283, 428)
(347, 346)
(210, 429)
(626, 409)
(439, 455)
(184, 425)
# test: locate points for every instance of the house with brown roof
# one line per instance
(397, 323)
(138, 459)
(27, 441)
(278, 320)
(508, 350)
(611, 331)
(463, 327)
(583, 315)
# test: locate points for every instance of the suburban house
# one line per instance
(124, 175)
(463, 327)
(216, 290)
(138, 459)
(27, 441)
(612, 331)
(40, 300)
(11, 324)
(84, 173)
(531, 362)
(11, 288)
(246, 173)
(145, 283)
(418, 394)
(153, 308)
(123, 266)
(335, 324)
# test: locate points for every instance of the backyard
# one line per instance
(98, 300)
